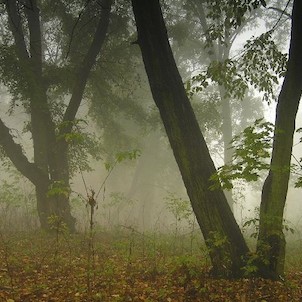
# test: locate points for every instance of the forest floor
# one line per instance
(126, 266)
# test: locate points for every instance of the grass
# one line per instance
(127, 266)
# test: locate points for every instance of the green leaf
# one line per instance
(251, 154)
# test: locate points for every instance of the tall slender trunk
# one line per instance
(227, 135)
(271, 240)
(223, 237)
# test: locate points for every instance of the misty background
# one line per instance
(118, 115)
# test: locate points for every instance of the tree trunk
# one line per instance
(226, 244)
(271, 241)
(227, 136)
(53, 211)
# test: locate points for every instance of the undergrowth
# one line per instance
(127, 266)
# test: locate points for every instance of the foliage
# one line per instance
(252, 265)
(251, 151)
(225, 74)
(10, 194)
(263, 64)
(298, 183)
(180, 208)
(206, 108)
(84, 145)
(58, 188)
(252, 225)
(122, 156)
(56, 224)
(225, 17)
(234, 10)
(182, 212)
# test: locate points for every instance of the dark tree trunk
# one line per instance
(271, 241)
(226, 244)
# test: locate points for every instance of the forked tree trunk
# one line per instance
(225, 242)
(50, 165)
(271, 241)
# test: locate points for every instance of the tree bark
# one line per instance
(226, 244)
(271, 240)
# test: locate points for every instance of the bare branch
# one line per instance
(283, 12)
(86, 65)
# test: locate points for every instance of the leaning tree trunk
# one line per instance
(271, 241)
(226, 244)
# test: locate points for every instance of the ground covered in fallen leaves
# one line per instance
(123, 266)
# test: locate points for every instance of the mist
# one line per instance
(97, 166)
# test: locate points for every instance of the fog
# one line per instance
(139, 193)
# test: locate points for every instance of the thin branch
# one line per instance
(296, 159)
(283, 12)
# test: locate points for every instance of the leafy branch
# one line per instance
(251, 153)
(252, 150)
(260, 66)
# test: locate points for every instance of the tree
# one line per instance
(218, 50)
(271, 241)
(226, 245)
(39, 68)
(212, 24)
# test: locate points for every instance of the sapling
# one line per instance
(91, 203)
(180, 209)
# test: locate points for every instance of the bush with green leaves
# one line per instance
(252, 152)
(252, 149)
